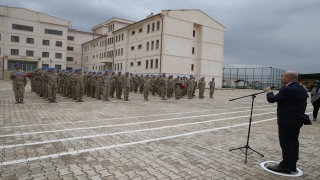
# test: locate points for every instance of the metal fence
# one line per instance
(255, 78)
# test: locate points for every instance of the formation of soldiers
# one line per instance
(47, 82)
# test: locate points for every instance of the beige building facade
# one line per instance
(177, 42)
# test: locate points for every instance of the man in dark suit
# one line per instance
(290, 117)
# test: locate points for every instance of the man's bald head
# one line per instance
(293, 75)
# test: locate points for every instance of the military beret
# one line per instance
(119, 72)
(178, 76)
(63, 69)
(51, 69)
(191, 75)
(16, 64)
(147, 74)
(106, 71)
(127, 72)
(93, 72)
(202, 77)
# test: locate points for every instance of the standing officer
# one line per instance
(201, 86)
(212, 85)
(106, 85)
(18, 83)
(126, 86)
(80, 85)
(189, 84)
(146, 87)
(52, 86)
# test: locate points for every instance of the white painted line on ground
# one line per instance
(127, 144)
(126, 124)
(133, 117)
(127, 132)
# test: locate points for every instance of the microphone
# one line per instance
(272, 87)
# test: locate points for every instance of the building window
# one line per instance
(148, 28)
(45, 65)
(139, 63)
(30, 40)
(57, 66)
(153, 26)
(93, 56)
(15, 51)
(194, 33)
(70, 38)
(131, 64)
(58, 55)
(139, 46)
(132, 48)
(147, 64)
(69, 58)
(122, 36)
(69, 48)
(116, 38)
(59, 43)
(21, 27)
(192, 67)
(158, 25)
(69, 68)
(147, 46)
(118, 52)
(118, 66)
(192, 50)
(45, 42)
(151, 63)
(55, 32)
(14, 38)
(156, 65)
(29, 53)
(121, 51)
(133, 32)
(115, 67)
(152, 44)
(140, 30)
(45, 54)
(157, 44)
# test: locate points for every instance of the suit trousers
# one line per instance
(289, 143)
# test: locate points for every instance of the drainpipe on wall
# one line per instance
(160, 59)
(114, 46)
(106, 41)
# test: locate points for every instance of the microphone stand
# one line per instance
(248, 137)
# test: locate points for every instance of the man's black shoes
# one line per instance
(279, 169)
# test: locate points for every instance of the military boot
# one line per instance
(17, 101)
(21, 101)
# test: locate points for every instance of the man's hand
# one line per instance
(267, 89)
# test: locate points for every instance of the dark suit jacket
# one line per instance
(291, 105)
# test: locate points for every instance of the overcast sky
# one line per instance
(284, 34)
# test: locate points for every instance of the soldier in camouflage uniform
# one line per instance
(189, 84)
(126, 86)
(131, 82)
(118, 85)
(163, 86)
(99, 85)
(195, 85)
(18, 83)
(170, 86)
(88, 83)
(201, 86)
(146, 86)
(52, 85)
(79, 84)
(136, 83)
(177, 89)
(212, 85)
(153, 85)
(113, 85)
(106, 85)
(141, 79)
(93, 85)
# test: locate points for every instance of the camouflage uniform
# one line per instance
(99, 86)
(106, 86)
(93, 85)
(126, 87)
(18, 84)
(118, 86)
(113, 85)
(79, 86)
(189, 84)
(52, 87)
(146, 86)
(136, 83)
(201, 86)
(88, 82)
(163, 87)
(177, 89)
(141, 79)
(212, 86)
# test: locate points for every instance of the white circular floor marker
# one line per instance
(299, 173)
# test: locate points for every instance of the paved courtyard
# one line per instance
(172, 139)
